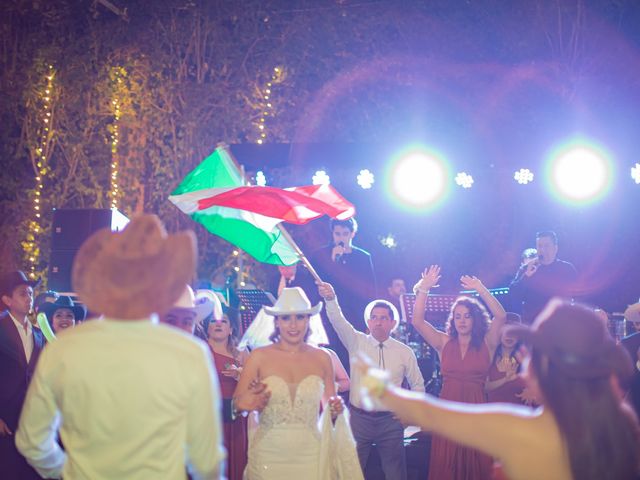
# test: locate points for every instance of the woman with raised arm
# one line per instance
(289, 441)
(465, 353)
(583, 429)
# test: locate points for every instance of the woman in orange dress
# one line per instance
(229, 361)
(465, 353)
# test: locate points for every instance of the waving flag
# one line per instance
(213, 194)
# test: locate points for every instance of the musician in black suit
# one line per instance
(20, 346)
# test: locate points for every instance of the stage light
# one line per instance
(523, 176)
(635, 173)
(464, 180)
(389, 241)
(579, 173)
(418, 179)
(365, 179)
(321, 178)
(261, 180)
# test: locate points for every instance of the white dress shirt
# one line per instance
(133, 400)
(399, 359)
(26, 336)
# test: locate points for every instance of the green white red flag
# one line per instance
(214, 195)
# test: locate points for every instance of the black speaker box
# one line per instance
(70, 228)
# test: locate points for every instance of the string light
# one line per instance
(41, 167)
(117, 75)
(266, 104)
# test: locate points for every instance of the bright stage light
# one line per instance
(418, 179)
(635, 173)
(464, 180)
(321, 178)
(261, 180)
(365, 179)
(523, 176)
(579, 173)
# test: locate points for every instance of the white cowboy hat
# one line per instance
(202, 304)
(633, 313)
(293, 300)
(209, 296)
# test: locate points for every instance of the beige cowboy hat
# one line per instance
(200, 302)
(291, 301)
(632, 313)
(136, 272)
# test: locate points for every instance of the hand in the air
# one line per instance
(471, 283)
(326, 290)
(429, 279)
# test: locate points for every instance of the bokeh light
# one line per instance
(365, 179)
(321, 178)
(523, 176)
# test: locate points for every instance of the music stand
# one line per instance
(251, 301)
(437, 305)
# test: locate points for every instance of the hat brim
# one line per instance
(309, 311)
(632, 313)
(49, 309)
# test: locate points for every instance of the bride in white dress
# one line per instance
(291, 440)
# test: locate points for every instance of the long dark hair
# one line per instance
(275, 336)
(480, 318)
(601, 436)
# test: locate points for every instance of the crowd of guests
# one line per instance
(124, 397)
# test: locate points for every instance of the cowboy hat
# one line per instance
(291, 301)
(136, 272)
(201, 303)
(10, 280)
(632, 313)
(49, 308)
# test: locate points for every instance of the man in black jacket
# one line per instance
(20, 346)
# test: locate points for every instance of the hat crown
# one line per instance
(11, 280)
(64, 301)
(292, 300)
(187, 299)
(141, 239)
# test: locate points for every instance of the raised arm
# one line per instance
(495, 308)
(348, 335)
(432, 336)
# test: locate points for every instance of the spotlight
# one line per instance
(321, 178)
(419, 179)
(523, 176)
(365, 179)
(464, 180)
(579, 173)
(635, 173)
(261, 180)
(389, 241)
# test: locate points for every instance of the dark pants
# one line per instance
(387, 434)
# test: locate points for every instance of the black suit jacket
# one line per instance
(15, 372)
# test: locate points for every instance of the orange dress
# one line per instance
(235, 433)
(463, 381)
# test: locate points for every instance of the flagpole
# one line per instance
(302, 256)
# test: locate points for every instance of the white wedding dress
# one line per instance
(292, 443)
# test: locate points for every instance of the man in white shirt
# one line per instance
(376, 427)
(133, 399)
(20, 346)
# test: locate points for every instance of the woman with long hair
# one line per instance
(465, 352)
(290, 442)
(505, 383)
(583, 429)
(229, 361)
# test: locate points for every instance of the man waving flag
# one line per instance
(248, 216)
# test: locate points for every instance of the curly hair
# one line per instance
(479, 315)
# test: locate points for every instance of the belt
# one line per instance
(370, 414)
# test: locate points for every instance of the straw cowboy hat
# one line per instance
(131, 274)
(292, 301)
(201, 303)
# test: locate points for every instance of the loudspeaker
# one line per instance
(70, 228)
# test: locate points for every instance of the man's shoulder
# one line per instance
(397, 344)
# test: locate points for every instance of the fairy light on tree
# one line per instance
(116, 75)
(266, 104)
(40, 156)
